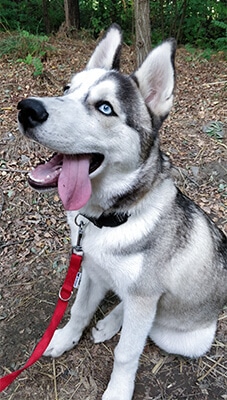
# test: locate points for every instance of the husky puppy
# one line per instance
(144, 239)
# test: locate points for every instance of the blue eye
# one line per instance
(106, 108)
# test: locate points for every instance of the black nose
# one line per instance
(32, 113)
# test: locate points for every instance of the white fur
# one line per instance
(159, 284)
(187, 343)
(105, 51)
(158, 94)
(107, 327)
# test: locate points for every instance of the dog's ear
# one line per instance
(156, 77)
(107, 53)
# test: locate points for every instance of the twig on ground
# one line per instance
(214, 83)
(12, 395)
(158, 366)
(21, 171)
(55, 380)
(1, 201)
(211, 368)
(221, 365)
(37, 256)
(2, 246)
(221, 144)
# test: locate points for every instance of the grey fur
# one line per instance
(168, 262)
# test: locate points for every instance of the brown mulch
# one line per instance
(35, 243)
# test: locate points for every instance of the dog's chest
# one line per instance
(105, 259)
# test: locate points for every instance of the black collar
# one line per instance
(110, 220)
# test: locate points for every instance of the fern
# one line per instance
(220, 24)
(31, 49)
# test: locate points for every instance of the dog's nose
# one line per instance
(32, 113)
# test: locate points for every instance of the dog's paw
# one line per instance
(107, 397)
(105, 329)
(121, 384)
(117, 394)
(64, 339)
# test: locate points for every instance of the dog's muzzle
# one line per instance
(31, 113)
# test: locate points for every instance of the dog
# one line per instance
(143, 239)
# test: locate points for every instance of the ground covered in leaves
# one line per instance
(35, 241)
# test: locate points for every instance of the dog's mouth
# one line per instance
(70, 174)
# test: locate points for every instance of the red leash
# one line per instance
(65, 294)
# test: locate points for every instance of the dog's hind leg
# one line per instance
(88, 298)
(108, 326)
(191, 344)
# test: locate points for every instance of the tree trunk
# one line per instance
(181, 22)
(143, 29)
(46, 16)
(72, 14)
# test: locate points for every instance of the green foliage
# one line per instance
(28, 15)
(220, 43)
(201, 23)
(24, 14)
(96, 16)
(27, 48)
(23, 43)
(222, 188)
(198, 54)
(215, 129)
(35, 61)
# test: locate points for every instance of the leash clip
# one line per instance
(81, 225)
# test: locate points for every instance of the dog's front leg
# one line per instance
(139, 314)
(89, 295)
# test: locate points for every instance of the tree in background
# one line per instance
(72, 14)
(194, 22)
(46, 18)
(142, 29)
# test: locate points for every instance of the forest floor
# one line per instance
(35, 243)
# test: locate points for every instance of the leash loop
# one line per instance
(61, 297)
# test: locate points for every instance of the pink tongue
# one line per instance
(74, 186)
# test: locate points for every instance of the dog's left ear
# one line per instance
(107, 53)
(156, 77)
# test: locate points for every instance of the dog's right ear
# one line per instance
(107, 53)
(156, 76)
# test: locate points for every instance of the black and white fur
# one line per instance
(167, 263)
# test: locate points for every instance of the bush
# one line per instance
(28, 15)
(26, 47)
(22, 43)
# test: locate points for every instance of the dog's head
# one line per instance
(104, 126)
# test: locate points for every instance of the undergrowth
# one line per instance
(27, 48)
